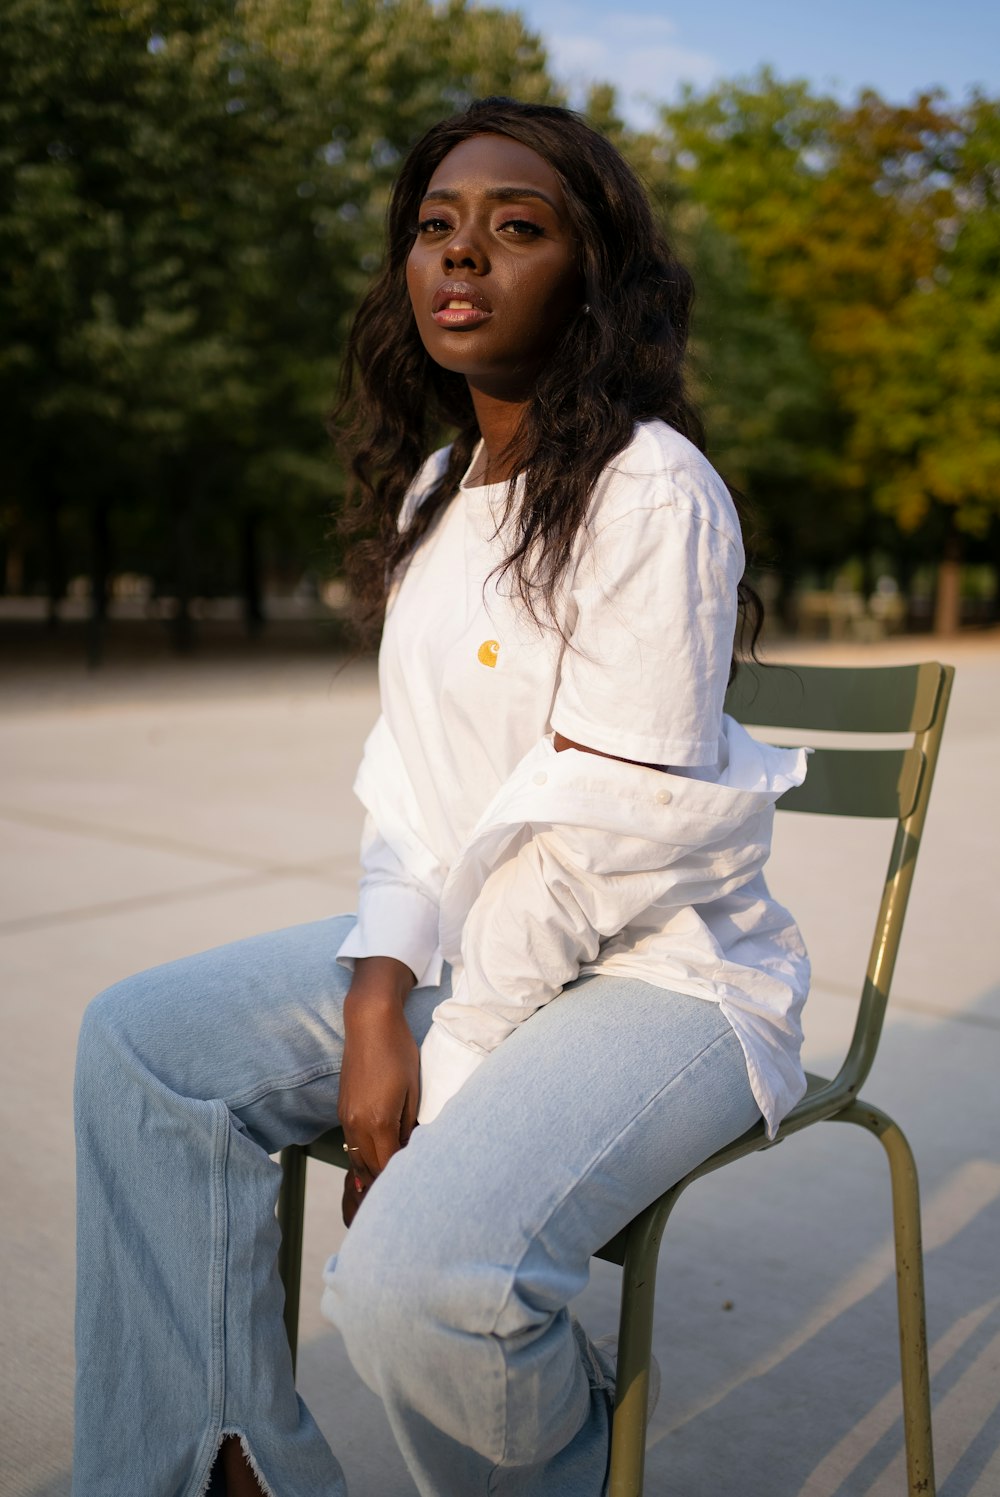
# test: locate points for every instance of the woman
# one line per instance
(565, 963)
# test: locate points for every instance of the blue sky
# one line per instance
(648, 49)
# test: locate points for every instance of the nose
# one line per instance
(465, 252)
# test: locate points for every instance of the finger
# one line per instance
(359, 1156)
(409, 1121)
(386, 1142)
(348, 1208)
(351, 1199)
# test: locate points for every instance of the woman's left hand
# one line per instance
(357, 1183)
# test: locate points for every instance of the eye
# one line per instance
(522, 227)
(433, 226)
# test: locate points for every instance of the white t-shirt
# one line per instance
(523, 867)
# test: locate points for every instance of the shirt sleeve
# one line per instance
(397, 917)
(652, 616)
(543, 912)
(541, 916)
(526, 936)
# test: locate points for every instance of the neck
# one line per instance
(498, 423)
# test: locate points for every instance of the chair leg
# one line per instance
(910, 1295)
(291, 1217)
(635, 1345)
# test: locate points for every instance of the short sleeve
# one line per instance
(651, 622)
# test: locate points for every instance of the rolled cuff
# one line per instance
(445, 1066)
(398, 921)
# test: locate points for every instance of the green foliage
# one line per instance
(192, 195)
(927, 396)
(864, 244)
(191, 200)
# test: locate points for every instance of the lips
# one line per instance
(457, 304)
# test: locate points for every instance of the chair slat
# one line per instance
(878, 699)
(329, 1148)
(858, 782)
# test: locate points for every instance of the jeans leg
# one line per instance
(452, 1287)
(188, 1077)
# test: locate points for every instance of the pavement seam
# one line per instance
(76, 827)
(910, 1005)
(68, 824)
(135, 902)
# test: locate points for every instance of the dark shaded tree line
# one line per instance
(191, 200)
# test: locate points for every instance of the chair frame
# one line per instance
(860, 782)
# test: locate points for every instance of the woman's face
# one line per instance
(493, 275)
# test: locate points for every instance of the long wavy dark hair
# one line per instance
(621, 363)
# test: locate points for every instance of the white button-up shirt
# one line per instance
(523, 867)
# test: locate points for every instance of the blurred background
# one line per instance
(191, 201)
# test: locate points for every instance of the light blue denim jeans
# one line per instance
(452, 1286)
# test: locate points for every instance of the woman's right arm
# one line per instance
(392, 947)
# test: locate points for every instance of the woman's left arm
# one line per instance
(560, 744)
(637, 837)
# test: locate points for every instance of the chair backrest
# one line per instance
(891, 782)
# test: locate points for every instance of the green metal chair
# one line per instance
(892, 783)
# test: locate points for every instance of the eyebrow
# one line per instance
(495, 194)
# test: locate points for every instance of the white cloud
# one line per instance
(585, 56)
(645, 27)
(635, 52)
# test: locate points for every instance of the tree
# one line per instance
(926, 400)
(872, 228)
(191, 198)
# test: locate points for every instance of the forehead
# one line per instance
(489, 161)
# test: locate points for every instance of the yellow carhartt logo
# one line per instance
(488, 652)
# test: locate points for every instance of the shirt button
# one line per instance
(663, 797)
(541, 778)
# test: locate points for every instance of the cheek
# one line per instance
(411, 279)
(419, 279)
(550, 299)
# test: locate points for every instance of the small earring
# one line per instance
(586, 309)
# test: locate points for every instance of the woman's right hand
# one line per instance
(380, 1073)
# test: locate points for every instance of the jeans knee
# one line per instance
(96, 1030)
(103, 1047)
(463, 1341)
(376, 1291)
(403, 1279)
(409, 1330)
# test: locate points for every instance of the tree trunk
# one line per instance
(100, 575)
(948, 596)
(182, 624)
(867, 539)
(994, 614)
(253, 596)
(787, 573)
(55, 562)
(905, 569)
(14, 569)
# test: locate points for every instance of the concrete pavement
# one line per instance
(155, 810)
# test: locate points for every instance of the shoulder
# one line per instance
(430, 472)
(661, 472)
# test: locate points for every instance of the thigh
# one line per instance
(588, 1112)
(257, 1024)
